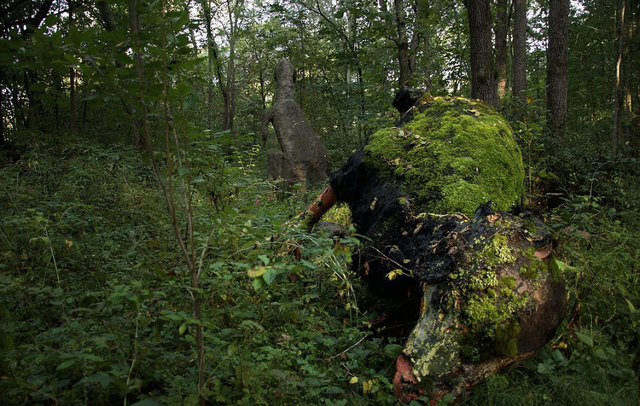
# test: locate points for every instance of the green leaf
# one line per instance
(264, 259)
(100, 378)
(632, 308)
(258, 284)
(585, 338)
(66, 364)
(392, 350)
(545, 368)
(271, 275)
(257, 272)
(182, 328)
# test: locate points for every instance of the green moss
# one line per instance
(339, 214)
(533, 269)
(498, 251)
(454, 155)
(508, 282)
(506, 342)
(433, 346)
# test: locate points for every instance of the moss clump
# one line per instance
(498, 251)
(506, 342)
(453, 155)
(533, 269)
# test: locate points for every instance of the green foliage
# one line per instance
(95, 302)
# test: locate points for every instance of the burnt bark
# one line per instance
(482, 77)
(557, 50)
(519, 49)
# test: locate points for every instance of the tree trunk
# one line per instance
(105, 15)
(206, 11)
(419, 10)
(616, 136)
(230, 100)
(482, 78)
(73, 115)
(2, 107)
(519, 49)
(229, 94)
(402, 44)
(633, 86)
(501, 29)
(557, 67)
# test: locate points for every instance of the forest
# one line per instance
(152, 246)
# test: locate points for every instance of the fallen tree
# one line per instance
(485, 279)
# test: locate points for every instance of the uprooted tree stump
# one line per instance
(485, 279)
(301, 157)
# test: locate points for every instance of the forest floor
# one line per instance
(96, 308)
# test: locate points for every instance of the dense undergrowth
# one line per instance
(95, 301)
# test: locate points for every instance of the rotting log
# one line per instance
(420, 192)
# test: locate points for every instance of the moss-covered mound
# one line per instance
(499, 300)
(450, 155)
(419, 192)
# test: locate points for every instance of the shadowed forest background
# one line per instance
(146, 258)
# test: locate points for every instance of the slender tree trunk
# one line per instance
(2, 107)
(263, 93)
(616, 136)
(206, 11)
(139, 111)
(519, 50)
(363, 106)
(230, 101)
(230, 93)
(501, 29)
(419, 10)
(402, 44)
(557, 67)
(73, 114)
(633, 79)
(105, 15)
(482, 77)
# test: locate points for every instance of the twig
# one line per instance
(204, 251)
(133, 361)
(55, 265)
(348, 349)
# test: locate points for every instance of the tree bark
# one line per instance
(633, 85)
(558, 25)
(2, 107)
(230, 94)
(482, 78)
(616, 136)
(402, 44)
(419, 11)
(501, 29)
(519, 49)
(73, 115)
(206, 11)
(105, 15)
